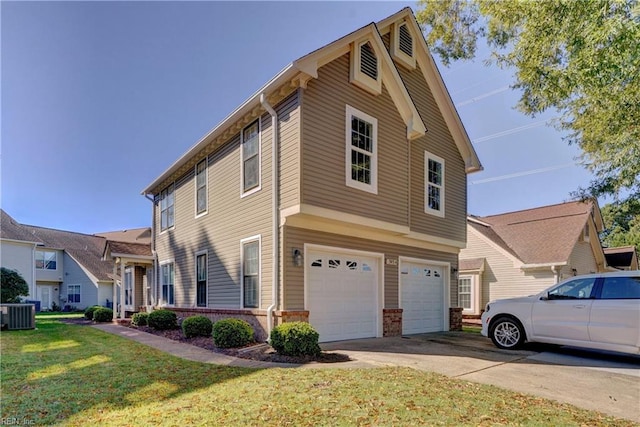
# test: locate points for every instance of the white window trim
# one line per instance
(79, 293)
(162, 231)
(256, 238)
(206, 286)
(357, 77)
(427, 209)
(373, 187)
(397, 54)
(45, 251)
(195, 185)
(259, 186)
(164, 303)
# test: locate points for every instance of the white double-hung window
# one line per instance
(361, 150)
(434, 184)
(251, 272)
(201, 187)
(167, 275)
(251, 158)
(166, 208)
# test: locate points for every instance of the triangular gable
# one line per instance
(310, 64)
(437, 86)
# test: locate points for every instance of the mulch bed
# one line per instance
(257, 351)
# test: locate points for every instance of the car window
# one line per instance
(574, 289)
(621, 288)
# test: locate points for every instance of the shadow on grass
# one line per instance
(59, 370)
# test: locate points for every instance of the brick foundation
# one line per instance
(391, 322)
(455, 318)
(256, 318)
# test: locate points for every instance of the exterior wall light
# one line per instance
(297, 257)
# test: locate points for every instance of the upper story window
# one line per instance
(201, 187)
(251, 158)
(361, 150)
(365, 70)
(585, 233)
(403, 45)
(166, 208)
(434, 184)
(46, 260)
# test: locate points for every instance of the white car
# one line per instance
(598, 311)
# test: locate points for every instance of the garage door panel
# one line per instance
(342, 295)
(422, 297)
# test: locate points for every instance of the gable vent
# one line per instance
(368, 61)
(405, 40)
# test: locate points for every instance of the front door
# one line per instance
(44, 296)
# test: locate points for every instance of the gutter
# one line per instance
(154, 254)
(275, 171)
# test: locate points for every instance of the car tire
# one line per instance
(507, 333)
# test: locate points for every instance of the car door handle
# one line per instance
(579, 306)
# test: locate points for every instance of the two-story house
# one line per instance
(336, 194)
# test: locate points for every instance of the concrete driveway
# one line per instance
(605, 382)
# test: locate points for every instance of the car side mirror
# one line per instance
(544, 297)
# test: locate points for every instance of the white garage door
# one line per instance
(342, 295)
(421, 297)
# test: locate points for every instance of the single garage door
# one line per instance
(421, 297)
(342, 295)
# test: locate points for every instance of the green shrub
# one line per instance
(197, 326)
(163, 320)
(295, 339)
(103, 314)
(228, 333)
(140, 319)
(88, 312)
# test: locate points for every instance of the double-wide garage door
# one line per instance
(342, 294)
(421, 297)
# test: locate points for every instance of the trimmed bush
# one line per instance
(162, 320)
(229, 333)
(103, 314)
(197, 326)
(295, 339)
(88, 312)
(140, 319)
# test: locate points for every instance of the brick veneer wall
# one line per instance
(455, 318)
(391, 322)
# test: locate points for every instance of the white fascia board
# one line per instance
(543, 265)
(132, 257)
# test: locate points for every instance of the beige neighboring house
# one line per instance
(65, 268)
(522, 253)
(336, 194)
(622, 257)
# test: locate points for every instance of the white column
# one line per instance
(115, 290)
(122, 263)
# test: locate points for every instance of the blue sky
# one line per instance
(99, 98)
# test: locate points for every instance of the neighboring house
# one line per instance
(622, 258)
(336, 194)
(62, 268)
(522, 253)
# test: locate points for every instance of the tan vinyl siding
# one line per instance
(437, 141)
(230, 218)
(293, 295)
(324, 146)
(289, 133)
(582, 259)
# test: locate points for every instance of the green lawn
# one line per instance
(76, 375)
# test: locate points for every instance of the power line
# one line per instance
(510, 131)
(483, 96)
(519, 174)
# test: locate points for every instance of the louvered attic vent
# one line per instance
(368, 61)
(406, 41)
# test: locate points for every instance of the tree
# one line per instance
(622, 225)
(580, 58)
(13, 286)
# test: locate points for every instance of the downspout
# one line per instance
(556, 274)
(275, 171)
(153, 252)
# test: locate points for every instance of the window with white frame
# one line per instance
(167, 208)
(128, 287)
(434, 184)
(201, 279)
(464, 293)
(251, 158)
(167, 274)
(250, 272)
(361, 150)
(201, 187)
(73, 294)
(46, 260)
